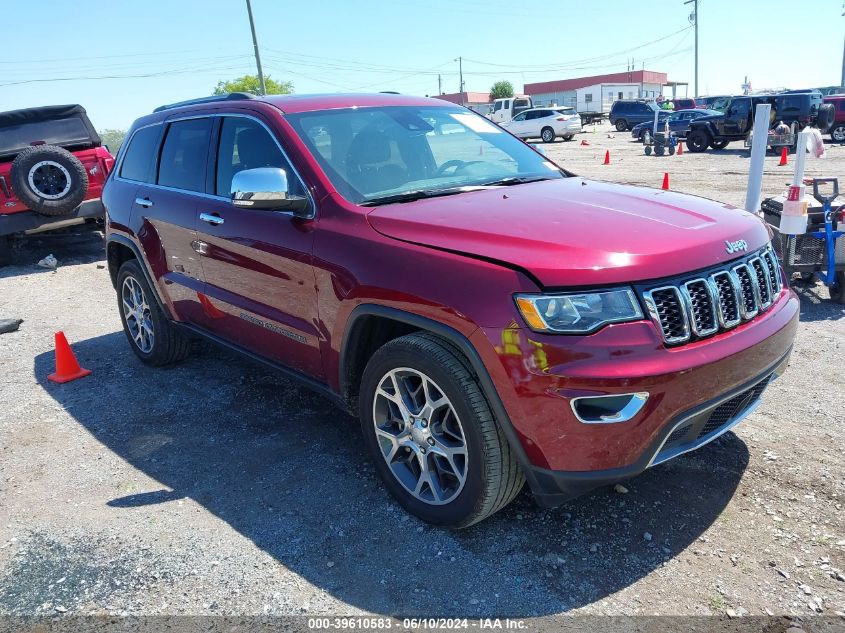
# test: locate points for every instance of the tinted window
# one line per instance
(521, 116)
(246, 144)
(184, 155)
(140, 155)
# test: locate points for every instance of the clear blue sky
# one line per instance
(185, 46)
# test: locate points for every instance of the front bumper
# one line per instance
(537, 377)
(21, 221)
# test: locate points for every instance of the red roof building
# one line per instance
(565, 85)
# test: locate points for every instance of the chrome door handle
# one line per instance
(144, 202)
(211, 219)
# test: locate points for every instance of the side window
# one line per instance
(140, 155)
(184, 155)
(521, 117)
(497, 107)
(246, 144)
(588, 98)
(621, 96)
(507, 104)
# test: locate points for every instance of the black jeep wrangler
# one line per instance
(735, 124)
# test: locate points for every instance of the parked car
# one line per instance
(504, 110)
(52, 170)
(684, 103)
(679, 122)
(489, 318)
(545, 123)
(837, 129)
(626, 113)
(736, 122)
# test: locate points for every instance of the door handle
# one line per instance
(211, 219)
(144, 202)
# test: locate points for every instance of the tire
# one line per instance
(5, 250)
(837, 133)
(621, 125)
(548, 135)
(648, 150)
(158, 342)
(719, 144)
(491, 474)
(671, 150)
(659, 150)
(825, 117)
(837, 290)
(568, 138)
(49, 180)
(698, 140)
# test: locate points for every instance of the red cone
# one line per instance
(666, 180)
(67, 368)
(680, 148)
(606, 158)
(584, 141)
(783, 154)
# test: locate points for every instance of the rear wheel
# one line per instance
(547, 134)
(432, 435)
(838, 133)
(719, 144)
(621, 125)
(698, 140)
(152, 336)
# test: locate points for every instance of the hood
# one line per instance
(576, 232)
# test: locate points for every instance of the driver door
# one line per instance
(517, 126)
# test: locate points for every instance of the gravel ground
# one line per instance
(215, 487)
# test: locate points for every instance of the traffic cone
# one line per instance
(680, 148)
(606, 158)
(783, 154)
(67, 368)
(665, 181)
(584, 142)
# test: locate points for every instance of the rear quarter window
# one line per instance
(140, 155)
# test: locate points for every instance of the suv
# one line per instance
(737, 120)
(837, 129)
(52, 170)
(490, 317)
(627, 113)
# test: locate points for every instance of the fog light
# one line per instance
(608, 409)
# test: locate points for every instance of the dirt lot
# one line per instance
(215, 487)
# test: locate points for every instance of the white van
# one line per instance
(505, 109)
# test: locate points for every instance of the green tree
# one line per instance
(501, 90)
(113, 139)
(250, 83)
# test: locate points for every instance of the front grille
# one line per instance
(718, 301)
(727, 411)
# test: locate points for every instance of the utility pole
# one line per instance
(694, 19)
(461, 76)
(255, 46)
(439, 85)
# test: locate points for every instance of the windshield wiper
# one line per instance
(514, 180)
(418, 194)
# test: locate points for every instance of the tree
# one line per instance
(250, 83)
(501, 90)
(113, 139)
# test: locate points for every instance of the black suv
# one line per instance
(737, 120)
(626, 113)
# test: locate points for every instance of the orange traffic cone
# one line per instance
(584, 141)
(680, 148)
(783, 154)
(67, 368)
(665, 181)
(606, 158)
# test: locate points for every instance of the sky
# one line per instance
(121, 59)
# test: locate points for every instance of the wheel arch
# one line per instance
(354, 354)
(120, 249)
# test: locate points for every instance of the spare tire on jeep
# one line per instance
(825, 117)
(49, 180)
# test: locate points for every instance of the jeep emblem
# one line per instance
(738, 245)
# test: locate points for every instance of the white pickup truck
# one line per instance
(504, 110)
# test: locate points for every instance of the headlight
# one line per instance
(578, 313)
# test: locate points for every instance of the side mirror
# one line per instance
(266, 188)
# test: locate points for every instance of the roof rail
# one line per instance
(231, 96)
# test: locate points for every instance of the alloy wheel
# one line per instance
(136, 314)
(420, 436)
(838, 134)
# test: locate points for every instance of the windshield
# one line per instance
(378, 153)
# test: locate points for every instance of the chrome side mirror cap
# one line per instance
(266, 188)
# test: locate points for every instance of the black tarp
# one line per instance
(14, 119)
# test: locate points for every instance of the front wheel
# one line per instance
(698, 140)
(719, 144)
(152, 336)
(838, 133)
(548, 135)
(621, 125)
(432, 435)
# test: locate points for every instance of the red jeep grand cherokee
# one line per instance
(490, 317)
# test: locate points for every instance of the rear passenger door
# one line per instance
(260, 290)
(165, 214)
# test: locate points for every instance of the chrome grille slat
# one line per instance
(695, 308)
